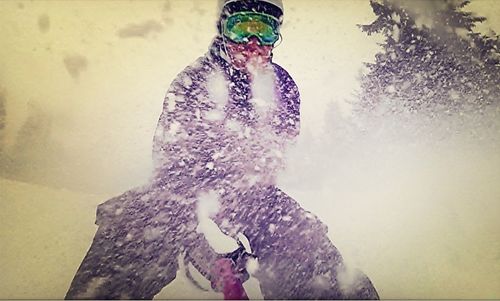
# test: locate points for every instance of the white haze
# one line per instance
(413, 203)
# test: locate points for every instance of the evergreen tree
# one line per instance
(33, 148)
(432, 61)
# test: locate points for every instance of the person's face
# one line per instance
(249, 55)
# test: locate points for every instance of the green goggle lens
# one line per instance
(241, 26)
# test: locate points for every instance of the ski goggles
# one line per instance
(240, 27)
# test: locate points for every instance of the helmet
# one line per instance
(270, 7)
(277, 3)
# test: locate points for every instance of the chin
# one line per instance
(253, 63)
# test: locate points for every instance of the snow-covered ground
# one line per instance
(44, 235)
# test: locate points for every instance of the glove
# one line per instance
(229, 272)
(226, 279)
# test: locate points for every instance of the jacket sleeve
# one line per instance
(177, 143)
(290, 103)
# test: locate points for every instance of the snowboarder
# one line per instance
(226, 121)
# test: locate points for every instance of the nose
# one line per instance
(253, 41)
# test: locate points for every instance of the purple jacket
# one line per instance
(219, 128)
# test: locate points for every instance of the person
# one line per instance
(226, 122)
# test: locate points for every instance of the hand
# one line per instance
(225, 279)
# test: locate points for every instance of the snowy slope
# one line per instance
(44, 235)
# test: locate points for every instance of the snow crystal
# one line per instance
(396, 18)
(224, 223)
(208, 203)
(218, 91)
(159, 133)
(462, 32)
(247, 132)
(410, 49)
(252, 265)
(174, 127)
(214, 115)
(309, 215)
(395, 33)
(260, 104)
(421, 21)
(347, 279)
(263, 88)
(153, 233)
(233, 125)
(94, 284)
(320, 282)
(405, 85)
(170, 101)
(217, 155)
(454, 94)
(187, 81)
(272, 228)
(252, 180)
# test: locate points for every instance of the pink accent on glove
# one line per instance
(225, 280)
